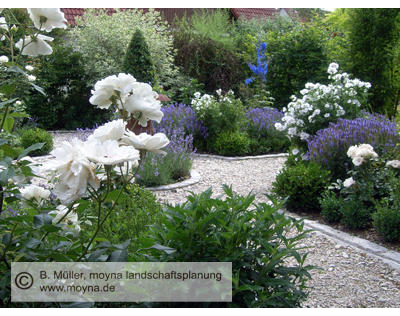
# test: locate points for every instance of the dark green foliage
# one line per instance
(330, 207)
(386, 221)
(208, 62)
(295, 58)
(355, 214)
(251, 236)
(386, 218)
(302, 185)
(37, 135)
(135, 210)
(373, 34)
(67, 87)
(274, 143)
(231, 144)
(138, 61)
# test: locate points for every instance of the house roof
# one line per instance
(169, 14)
(251, 13)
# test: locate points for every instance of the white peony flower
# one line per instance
(393, 164)
(35, 192)
(35, 47)
(110, 153)
(47, 18)
(348, 182)
(113, 130)
(75, 171)
(143, 104)
(29, 68)
(145, 141)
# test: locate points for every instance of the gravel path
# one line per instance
(348, 277)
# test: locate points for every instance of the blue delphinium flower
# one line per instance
(262, 66)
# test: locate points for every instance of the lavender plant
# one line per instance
(159, 169)
(329, 146)
(264, 137)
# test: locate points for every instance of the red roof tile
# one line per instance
(251, 13)
(169, 14)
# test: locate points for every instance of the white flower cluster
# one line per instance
(110, 144)
(321, 104)
(201, 103)
(137, 99)
(393, 163)
(360, 153)
(44, 19)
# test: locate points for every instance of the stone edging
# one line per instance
(240, 158)
(390, 257)
(194, 178)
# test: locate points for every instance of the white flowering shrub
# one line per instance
(202, 104)
(321, 104)
(104, 39)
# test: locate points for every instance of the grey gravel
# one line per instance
(347, 276)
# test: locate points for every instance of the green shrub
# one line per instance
(355, 214)
(295, 57)
(205, 229)
(103, 39)
(231, 144)
(386, 221)
(302, 185)
(135, 210)
(138, 61)
(330, 206)
(66, 104)
(37, 135)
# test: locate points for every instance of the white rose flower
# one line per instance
(35, 192)
(75, 171)
(143, 104)
(29, 68)
(3, 59)
(358, 161)
(46, 19)
(393, 164)
(3, 23)
(35, 47)
(70, 222)
(109, 152)
(145, 141)
(31, 78)
(348, 182)
(18, 102)
(352, 151)
(113, 130)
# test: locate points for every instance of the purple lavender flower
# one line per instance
(262, 120)
(329, 146)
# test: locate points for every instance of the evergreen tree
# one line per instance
(373, 36)
(138, 61)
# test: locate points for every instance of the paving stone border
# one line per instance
(390, 257)
(194, 178)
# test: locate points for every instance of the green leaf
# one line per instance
(42, 219)
(94, 256)
(8, 101)
(6, 239)
(8, 124)
(163, 248)
(118, 256)
(37, 88)
(124, 245)
(32, 243)
(18, 114)
(29, 149)
(9, 151)
(16, 69)
(6, 174)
